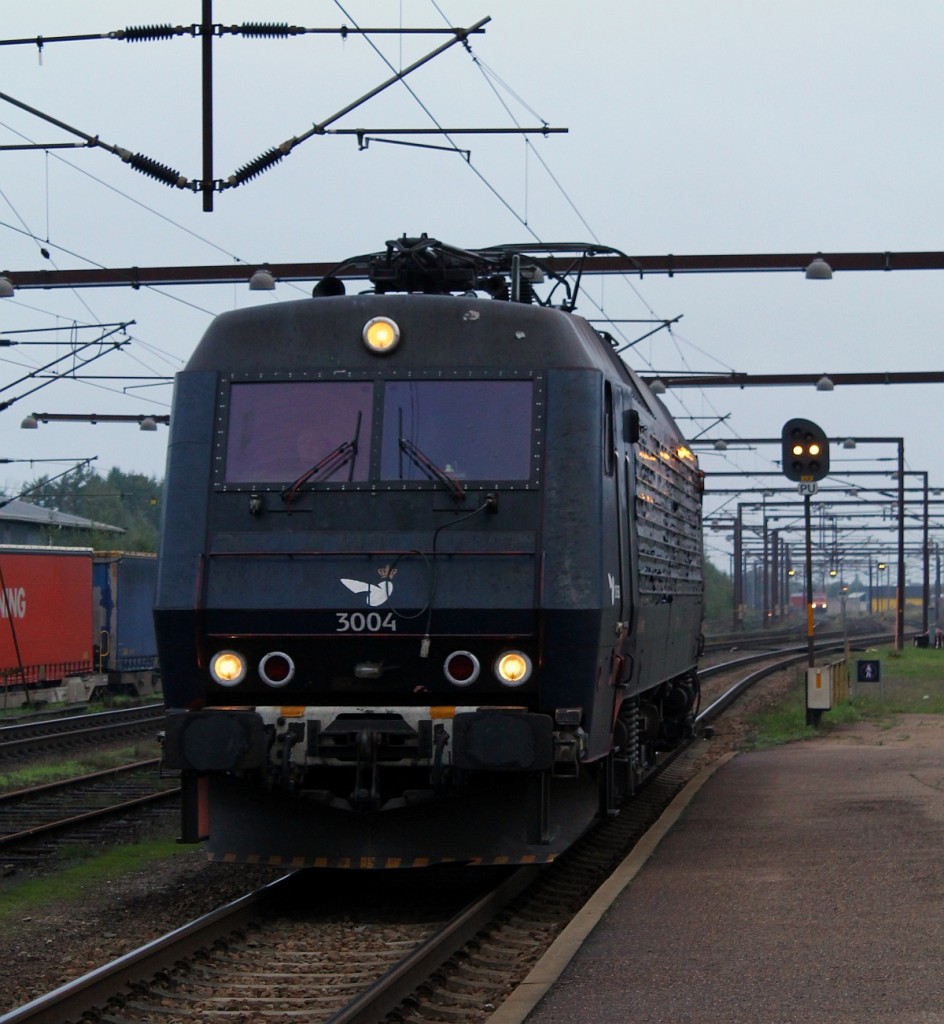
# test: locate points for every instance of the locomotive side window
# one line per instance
(469, 429)
(281, 430)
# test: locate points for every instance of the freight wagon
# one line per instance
(75, 624)
(123, 587)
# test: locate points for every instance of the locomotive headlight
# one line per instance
(513, 668)
(228, 668)
(381, 335)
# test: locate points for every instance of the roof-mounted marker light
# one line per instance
(381, 335)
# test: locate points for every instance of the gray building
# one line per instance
(22, 522)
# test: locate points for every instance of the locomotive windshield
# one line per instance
(281, 431)
(297, 433)
(472, 430)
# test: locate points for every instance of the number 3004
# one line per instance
(370, 622)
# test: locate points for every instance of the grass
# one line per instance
(94, 761)
(912, 682)
(110, 702)
(88, 867)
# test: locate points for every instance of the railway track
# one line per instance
(86, 808)
(43, 714)
(779, 638)
(104, 805)
(30, 738)
(253, 960)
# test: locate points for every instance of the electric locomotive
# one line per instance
(430, 571)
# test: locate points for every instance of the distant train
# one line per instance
(430, 572)
(76, 624)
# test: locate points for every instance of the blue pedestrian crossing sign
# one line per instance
(868, 671)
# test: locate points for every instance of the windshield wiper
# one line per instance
(433, 472)
(324, 469)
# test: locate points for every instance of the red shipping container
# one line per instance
(46, 612)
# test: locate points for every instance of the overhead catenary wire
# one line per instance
(164, 32)
(504, 202)
(170, 176)
(137, 160)
(491, 78)
(137, 202)
(74, 351)
(530, 148)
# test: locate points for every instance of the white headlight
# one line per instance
(513, 668)
(228, 668)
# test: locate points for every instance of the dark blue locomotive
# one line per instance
(430, 582)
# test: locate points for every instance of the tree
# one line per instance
(131, 501)
(719, 595)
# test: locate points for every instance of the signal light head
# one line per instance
(805, 451)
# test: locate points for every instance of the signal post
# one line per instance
(805, 459)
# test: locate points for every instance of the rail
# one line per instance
(541, 902)
(19, 738)
(78, 786)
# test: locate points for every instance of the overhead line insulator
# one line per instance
(256, 167)
(271, 30)
(142, 33)
(153, 169)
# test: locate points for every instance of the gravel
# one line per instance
(50, 944)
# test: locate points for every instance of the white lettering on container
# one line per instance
(13, 603)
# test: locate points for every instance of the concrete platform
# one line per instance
(804, 883)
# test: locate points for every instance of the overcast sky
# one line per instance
(694, 127)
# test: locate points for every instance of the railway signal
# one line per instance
(805, 451)
(805, 458)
